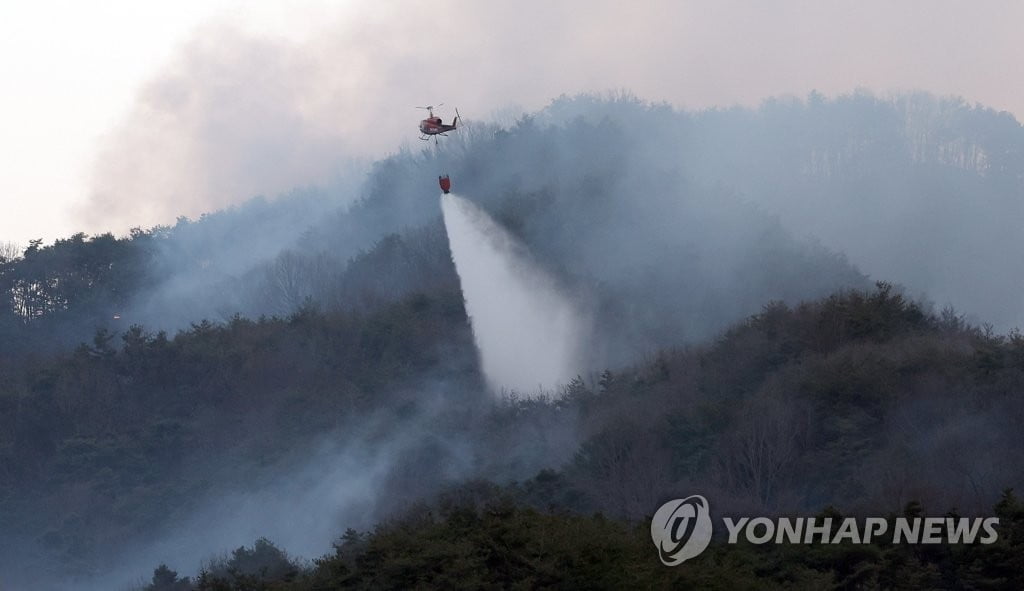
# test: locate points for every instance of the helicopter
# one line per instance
(433, 126)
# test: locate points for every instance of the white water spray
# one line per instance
(528, 332)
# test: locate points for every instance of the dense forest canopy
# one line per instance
(296, 366)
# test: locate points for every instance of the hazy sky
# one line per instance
(123, 113)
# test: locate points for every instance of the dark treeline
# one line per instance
(860, 400)
(68, 287)
(58, 295)
(483, 537)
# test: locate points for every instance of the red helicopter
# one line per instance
(432, 126)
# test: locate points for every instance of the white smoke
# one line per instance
(528, 331)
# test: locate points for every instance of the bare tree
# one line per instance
(627, 470)
(767, 438)
(9, 251)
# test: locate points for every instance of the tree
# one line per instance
(165, 579)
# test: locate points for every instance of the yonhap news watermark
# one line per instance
(682, 528)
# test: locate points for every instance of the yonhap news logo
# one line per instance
(681, 529)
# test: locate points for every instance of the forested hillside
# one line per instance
(724, 208)
(860, 400)
(297, 366)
